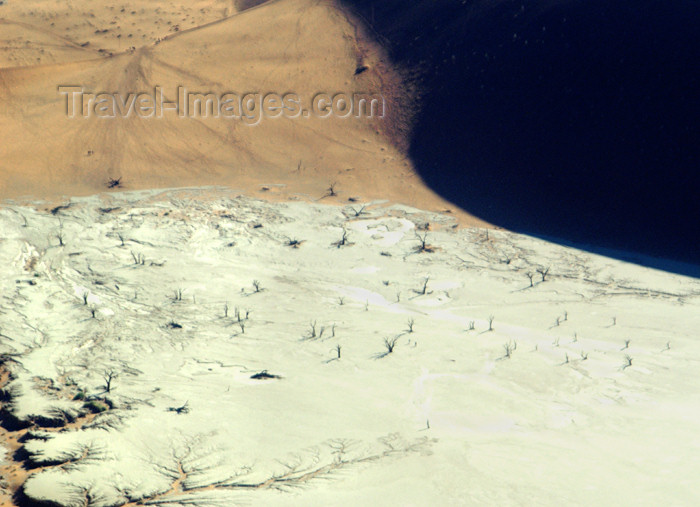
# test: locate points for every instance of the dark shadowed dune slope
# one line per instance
(576, 120)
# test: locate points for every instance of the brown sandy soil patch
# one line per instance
(22, 44)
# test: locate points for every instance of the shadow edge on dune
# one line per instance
(582, 136)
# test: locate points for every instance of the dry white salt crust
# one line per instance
(447, 418)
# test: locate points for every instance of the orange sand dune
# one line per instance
(286, 46)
